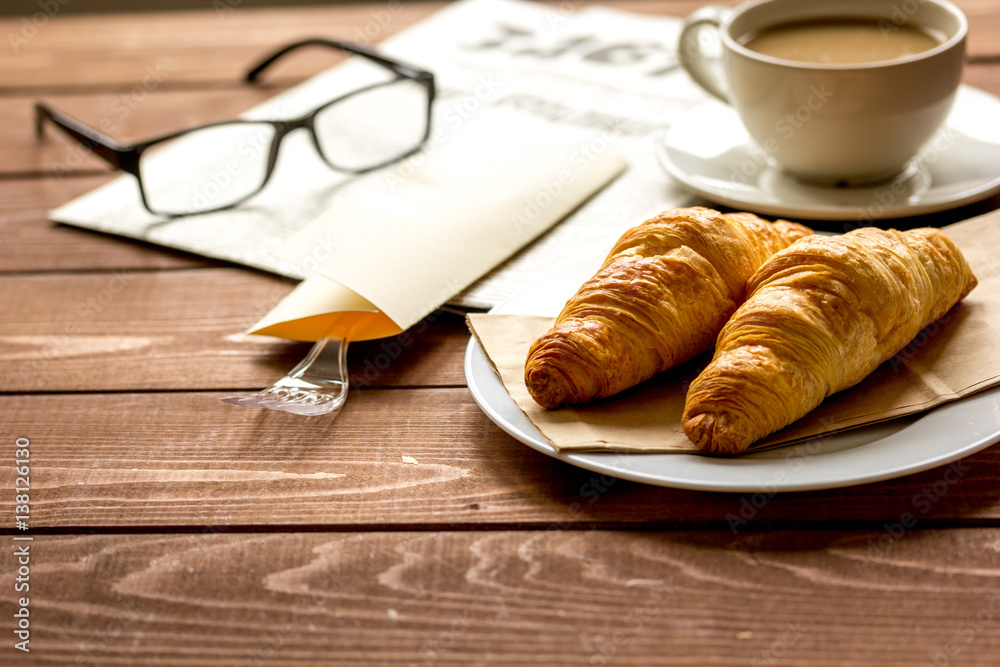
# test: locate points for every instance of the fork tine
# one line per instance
(316, 386)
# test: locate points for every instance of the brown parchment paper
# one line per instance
(954, 357)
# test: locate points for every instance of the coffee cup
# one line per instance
(836, 92)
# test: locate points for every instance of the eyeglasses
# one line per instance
(217, 166)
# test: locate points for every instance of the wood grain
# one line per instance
(81, 52)
(125, 330)
(201, 47)
(171, 529)
(115, 52)
(128, 116)
(514, 597)
(184, 459)
(31, 243)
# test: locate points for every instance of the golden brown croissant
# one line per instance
(820, 316)
(660, 298)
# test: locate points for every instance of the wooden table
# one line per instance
(171, 529)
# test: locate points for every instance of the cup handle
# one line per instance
(706, 70)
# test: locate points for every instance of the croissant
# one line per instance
(663, 293)
(820, 316)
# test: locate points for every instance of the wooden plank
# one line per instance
(126, 330)
(483, 551)
(184, 48)
(185, 459)
(512, 598)
(181, 48)
(130, 116)
(30, 242)
(985, 76)
(984, 28)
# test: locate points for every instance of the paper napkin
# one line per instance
(950, 359)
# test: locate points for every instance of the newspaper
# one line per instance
(612, 72)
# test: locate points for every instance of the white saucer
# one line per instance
(709, 151)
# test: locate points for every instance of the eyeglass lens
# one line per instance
(222, 165)
(373, 126)
(206, 169)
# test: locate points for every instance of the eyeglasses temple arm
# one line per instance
(103, 146)
(394, 65)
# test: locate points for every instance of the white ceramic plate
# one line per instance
(869, 454)
(710, 152)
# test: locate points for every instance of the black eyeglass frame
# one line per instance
(126, 157)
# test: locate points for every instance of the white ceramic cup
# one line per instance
(843, 124)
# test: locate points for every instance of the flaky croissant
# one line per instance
(820, 316)
(660, 298)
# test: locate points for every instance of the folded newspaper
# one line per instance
(611, 75)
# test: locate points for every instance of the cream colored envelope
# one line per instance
(401, 243)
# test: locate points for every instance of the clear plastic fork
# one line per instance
(316, 386)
